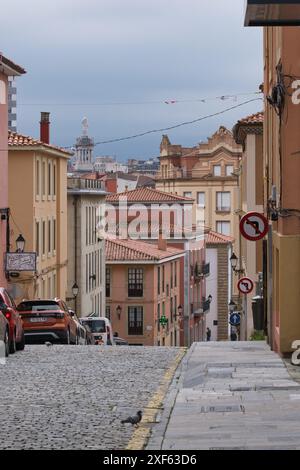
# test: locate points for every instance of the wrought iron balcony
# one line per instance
(202, 271)
(200, 308)
(272, 13)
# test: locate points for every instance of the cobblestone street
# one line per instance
(73, 397)
(231, 395)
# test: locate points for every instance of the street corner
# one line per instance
(142, 434)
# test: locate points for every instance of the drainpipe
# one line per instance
(75, 248)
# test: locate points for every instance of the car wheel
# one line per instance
(6, 343)
(21, 344)
(12, 344)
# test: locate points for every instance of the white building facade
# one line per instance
(86, 251)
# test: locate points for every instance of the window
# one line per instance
(44, 179)
(44, 238)
(201, 199)
(224, 201)
(54, 235)
(54, 180)
(175, 306)
(187, 194)
(49, 179)
(49, 236)
(49, 294)
(229, 170)
(175, 274)
(172, 275)
(171, 309)
(37, 238)
(223, 227)
(107, 312)
(135, 321)
(37, 178)
(107, 282)
(135, 282)
(86, 273)
(163, 279)
(217, 170)
(158, 281)
(158, 317)
(86, 226)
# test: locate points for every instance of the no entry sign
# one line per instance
(254, 226)
(245, 285)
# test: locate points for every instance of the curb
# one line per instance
(141, 435)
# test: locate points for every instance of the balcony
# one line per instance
(200, 308)
(201, 271)
(272, 13)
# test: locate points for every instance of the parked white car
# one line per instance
(101, 329)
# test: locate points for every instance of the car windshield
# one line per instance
(38, 306)
(96, 326)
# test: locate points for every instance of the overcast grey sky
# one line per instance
(130, 51)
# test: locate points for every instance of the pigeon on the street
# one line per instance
(48, 344)
(134, 420)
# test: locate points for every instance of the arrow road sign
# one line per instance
(245, 285)
(235, 319)
(254, 226)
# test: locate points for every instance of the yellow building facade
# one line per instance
(38, 206)
(208, 173)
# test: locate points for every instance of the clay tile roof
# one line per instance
(19, 140)
(250, 124)
(214, 238)
(257, 118)
(133, 250)
(148, 195)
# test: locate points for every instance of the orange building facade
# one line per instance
(143, 286)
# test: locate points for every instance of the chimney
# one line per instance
(162, 242)
(45, 128)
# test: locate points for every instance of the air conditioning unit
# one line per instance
(272, 13)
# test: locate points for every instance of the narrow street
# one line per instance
(231, 396)
(74, 397)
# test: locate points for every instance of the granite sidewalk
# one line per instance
(231, 395)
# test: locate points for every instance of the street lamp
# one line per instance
(75, 290)
(234, 263)
(180, 312)
(119, 311)
(20, 243)
(232, 306)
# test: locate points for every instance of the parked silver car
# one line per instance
(4, 329)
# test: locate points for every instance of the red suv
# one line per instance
(16, 330)
(48, 320)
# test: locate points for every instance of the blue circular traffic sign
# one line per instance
(235, 319)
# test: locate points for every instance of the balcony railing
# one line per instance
(183, 173)
(202, 270)
(135, 290)
(200, 308)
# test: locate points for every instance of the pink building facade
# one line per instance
(7, 69)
